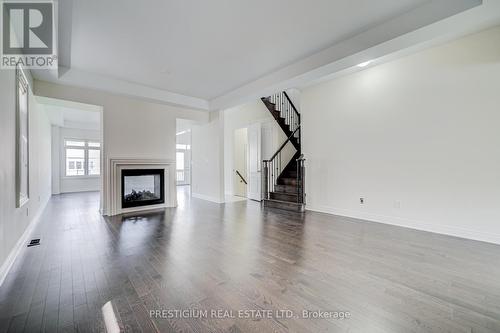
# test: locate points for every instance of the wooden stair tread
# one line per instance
(283, 196)
(285, 205)
(286, 188)
(283, 201)
(282, 192)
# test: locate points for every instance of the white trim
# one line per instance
(16, 250)
(78, 78)
(83, 191)
(408, 223)
(207, 198)
(80, 177)
(22, 81)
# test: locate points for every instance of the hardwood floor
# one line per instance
(238, 256)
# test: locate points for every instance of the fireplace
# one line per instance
(142, 187)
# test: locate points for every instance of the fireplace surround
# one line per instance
(113, 184)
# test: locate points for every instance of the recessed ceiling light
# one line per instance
(364, 64)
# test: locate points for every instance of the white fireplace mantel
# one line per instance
(115, 166)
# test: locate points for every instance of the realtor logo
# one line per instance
(28, 35)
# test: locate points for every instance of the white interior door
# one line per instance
(254, 191)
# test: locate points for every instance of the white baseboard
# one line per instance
(412, 224)
(21, 243)
(207, 198)
(82, 191)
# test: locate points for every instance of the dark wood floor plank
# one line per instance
(238, 256)
(17, 323)
(35, 317)
(82, 318)
(128, 321)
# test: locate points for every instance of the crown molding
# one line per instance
(83, 79)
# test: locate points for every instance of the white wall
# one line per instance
(132, 128)
(56, 159)
(61, 183)
(207, 154)
(15, 223)
(418, 138)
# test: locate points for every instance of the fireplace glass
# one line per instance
(141, 187)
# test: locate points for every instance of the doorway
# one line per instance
(77, 145)
(183, 158)
(244, 149)
(240, 155)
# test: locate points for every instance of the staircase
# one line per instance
(283, 183)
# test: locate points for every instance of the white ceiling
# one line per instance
(215, 54)
(207, 48)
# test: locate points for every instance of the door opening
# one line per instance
(240, 162)
(183, 159)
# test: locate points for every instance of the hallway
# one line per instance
(238, 256)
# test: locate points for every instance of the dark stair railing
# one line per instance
(275, 169)
(241, 177)
(301, 175)
(287, 111)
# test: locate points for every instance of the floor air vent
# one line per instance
(34, 242)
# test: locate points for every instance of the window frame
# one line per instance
(85, 149)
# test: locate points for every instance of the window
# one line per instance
(75, 143)
(83, 158)
(94, 158)
(75, 159)
(180, 160)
